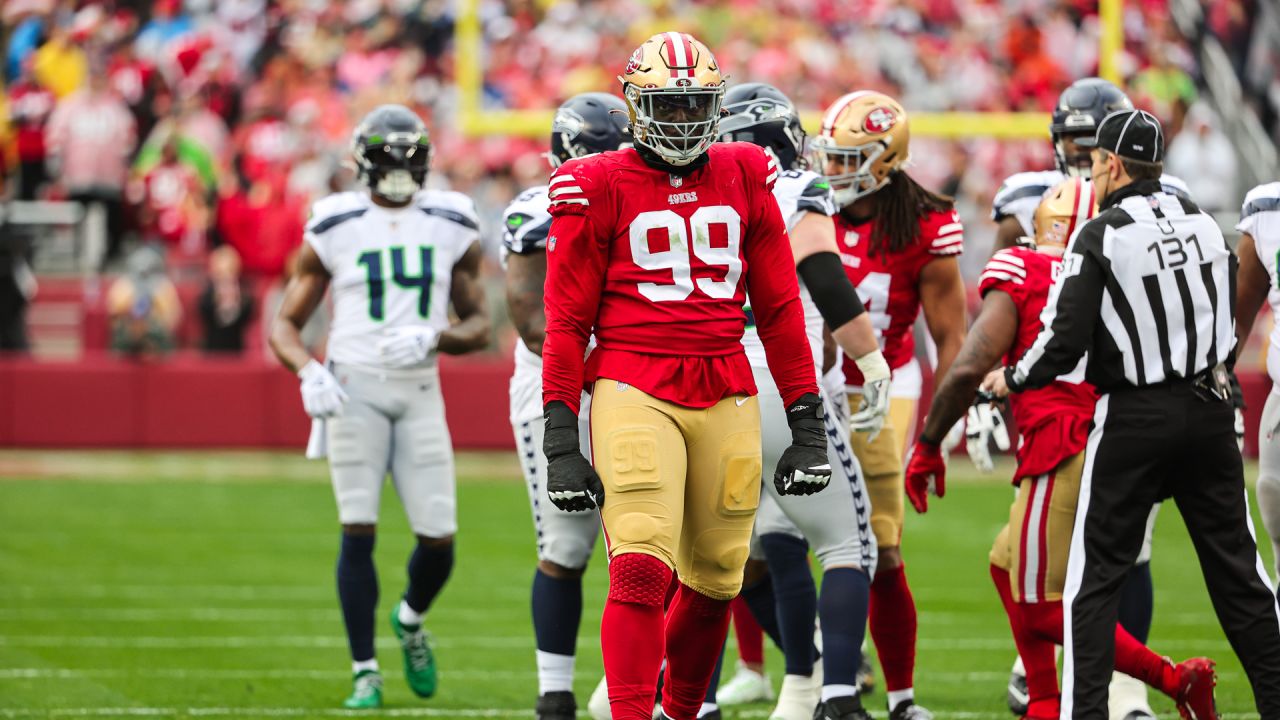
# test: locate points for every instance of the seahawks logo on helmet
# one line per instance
(568, 123)
(587, 124)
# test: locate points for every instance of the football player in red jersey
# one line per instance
(1029, 558)
(654, 249)
(899, 243)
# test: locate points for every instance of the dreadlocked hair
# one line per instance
(899, 207)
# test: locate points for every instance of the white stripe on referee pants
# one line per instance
(1262, 569)
(1075, 560)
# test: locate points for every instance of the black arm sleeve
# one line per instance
(824, 277)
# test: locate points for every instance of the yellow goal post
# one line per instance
(474, 120)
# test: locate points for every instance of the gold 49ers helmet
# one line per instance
(673, 90)
(863, 141)
(1062, 210)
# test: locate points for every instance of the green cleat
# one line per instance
(367, 692)
(419, 661)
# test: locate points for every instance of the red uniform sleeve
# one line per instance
(577, 254)
(1005, 271)
(944, 233)
(773, 289)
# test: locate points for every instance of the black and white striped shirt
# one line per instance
(1147, 290)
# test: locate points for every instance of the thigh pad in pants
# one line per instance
(881, 462)
(359, 447)
(1041, 522)
(422, 460)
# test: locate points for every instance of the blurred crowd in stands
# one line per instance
(202, 129)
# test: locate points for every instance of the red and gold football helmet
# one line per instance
(673, 88)
(1063, 209)
(864, 139)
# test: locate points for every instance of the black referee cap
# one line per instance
(1131, 134)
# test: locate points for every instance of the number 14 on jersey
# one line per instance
(376, 279)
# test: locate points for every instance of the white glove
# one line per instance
(322, 396)
(952, 439)
(985, 423)
(871, 414)
(407, 346)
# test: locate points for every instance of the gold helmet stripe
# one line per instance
(837, 107)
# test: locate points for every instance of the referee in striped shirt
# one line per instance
(1146, 291)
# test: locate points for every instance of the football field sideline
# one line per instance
(201, 585)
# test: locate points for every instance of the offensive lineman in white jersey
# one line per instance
(586, 124)
(836, 520)
(396, 256)
(1256, 282)
(1078, 112)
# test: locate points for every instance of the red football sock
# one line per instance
(750, 636)
(893, 627)
(696, 629)
(1037, 652)
(1137, 660)
(631, 633)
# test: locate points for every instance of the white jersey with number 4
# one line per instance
(797, 192)
(1260, 218)
(1020, 194)
(390, 268)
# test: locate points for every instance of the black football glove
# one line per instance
(572, 484)
(804, 468)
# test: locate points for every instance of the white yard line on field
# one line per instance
(386, 712)
(209, 614)
(334, 675)
(513, 642)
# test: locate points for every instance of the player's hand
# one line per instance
(804, 468)
(1240, 428)
(322, 395)
(572, 484)
(995, 384)
(926, 473)
(407, 346)
(984, 424)
(871, 413)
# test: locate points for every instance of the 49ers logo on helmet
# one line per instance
(879, 120)
(633, 64)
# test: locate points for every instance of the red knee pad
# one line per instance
(638, 579)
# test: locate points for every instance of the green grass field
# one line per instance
(201, 585)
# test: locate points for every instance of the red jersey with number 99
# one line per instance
(889, 282)
(658, 267)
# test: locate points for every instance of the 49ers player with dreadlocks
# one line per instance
(654, 249)
(899, 243)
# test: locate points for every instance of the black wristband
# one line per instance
(832, 292)
(560, 436)
(922, 440)
(805, 417)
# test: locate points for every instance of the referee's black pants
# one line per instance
(1145, 445)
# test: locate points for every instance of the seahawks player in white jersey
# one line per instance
(1078, 112)
(835, 521)
(586, 124)
(1258, 281)
(396, 256)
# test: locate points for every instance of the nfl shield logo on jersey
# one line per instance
(551, 243)
(676, 180)
(851, 238)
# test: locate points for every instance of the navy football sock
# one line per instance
(842, 608)
(1137, 603)
(796, 597)
(429, 568)
(759, 598)
(358, 593)
(557, 611)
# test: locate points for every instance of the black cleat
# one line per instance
(1016, 694)
(909, 710)
(841, 708)
(558, 705)
(866, 681)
